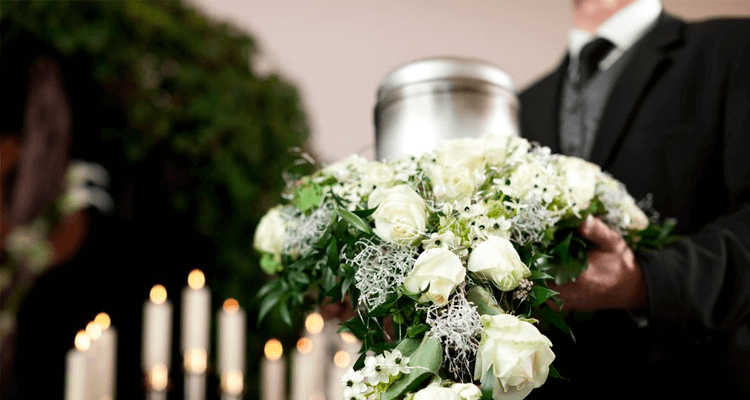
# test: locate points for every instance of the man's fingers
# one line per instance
(598, 233)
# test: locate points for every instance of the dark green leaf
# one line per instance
(267, 304)
(354, 220)
(540, 275)
(385, 307)
(365, 213)
(484, 302)
(284, 311)
(333, 254)
(553, 372)
(540, 294)
(272, 286)
(551, 316)
(416, 330)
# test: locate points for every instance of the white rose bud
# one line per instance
(467, 391)
(269, 235)
(580, 177)
(401, 216)
(436, 393)
(439, 269)
(518, 354)
(497, 261)
(452, 183)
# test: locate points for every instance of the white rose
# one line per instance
(496, 260)
(341, 170)
(518, 354)
(269, 235)
(441, 270)
(436, 393)
(580, 177)
(464, 152)
(377, 174)
(401, 216)
(531, 179)
(497, 148)
(452, 183)
(467, 391)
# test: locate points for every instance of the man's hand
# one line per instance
(613, 280)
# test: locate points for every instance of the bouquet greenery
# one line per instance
(445, 258)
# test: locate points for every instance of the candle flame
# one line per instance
(304, 345)
(195, 361)
(82, 341)
(348, 337)
(158, 377)
(341, 359)
(102, 319)
(231, 306)
(158, 294)
(273, 349)
(196, 279)
(314, 323)
(232, 383)
(93, 330)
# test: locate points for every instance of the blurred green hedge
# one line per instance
(187, 84)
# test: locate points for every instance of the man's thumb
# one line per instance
(598, 233)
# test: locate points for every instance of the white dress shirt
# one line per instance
(623, 29)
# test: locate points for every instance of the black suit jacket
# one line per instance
(676, 125)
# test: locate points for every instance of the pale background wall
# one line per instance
(338, 51)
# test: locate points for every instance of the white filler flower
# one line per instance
(401, 215)
(497, 261)
(518, 354)
(439, 269)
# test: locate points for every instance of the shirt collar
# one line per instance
(622, 29)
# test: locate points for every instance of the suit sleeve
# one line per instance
(701, 285)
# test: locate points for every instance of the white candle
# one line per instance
(92, 361)
(107, 348)
(196, 322)
(232, 322)
(273, 371)
(347, 349)
(309, 361)
(76, 369)
(157, 338)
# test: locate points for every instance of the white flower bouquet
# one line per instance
(450, 251)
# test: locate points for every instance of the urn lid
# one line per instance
(444, 68)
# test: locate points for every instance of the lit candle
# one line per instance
(107, 348)
(196, 322)
(232, 322)
(273, 370)
(347, 347)
(92, 361)
(309, 361)
(76, 369)
(157, 339)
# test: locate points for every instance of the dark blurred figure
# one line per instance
(110, 260)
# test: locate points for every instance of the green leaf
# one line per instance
(553, 372)
(426, 359)
(365, 213)
(540, 294)
(551, 316)
(267, 304)
(416, 330)
(482, 298)
(540, 275)
(332, 252)
(269, 265)
(488, 384)
(385, 307)
(269, 287)
(355, 326)
(354, 220)
(308, 197)
(284, 311)
(407, 347)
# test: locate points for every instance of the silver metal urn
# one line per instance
(423, 103)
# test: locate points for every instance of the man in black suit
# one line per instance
(664, 106)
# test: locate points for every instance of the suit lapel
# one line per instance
(643, 69)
